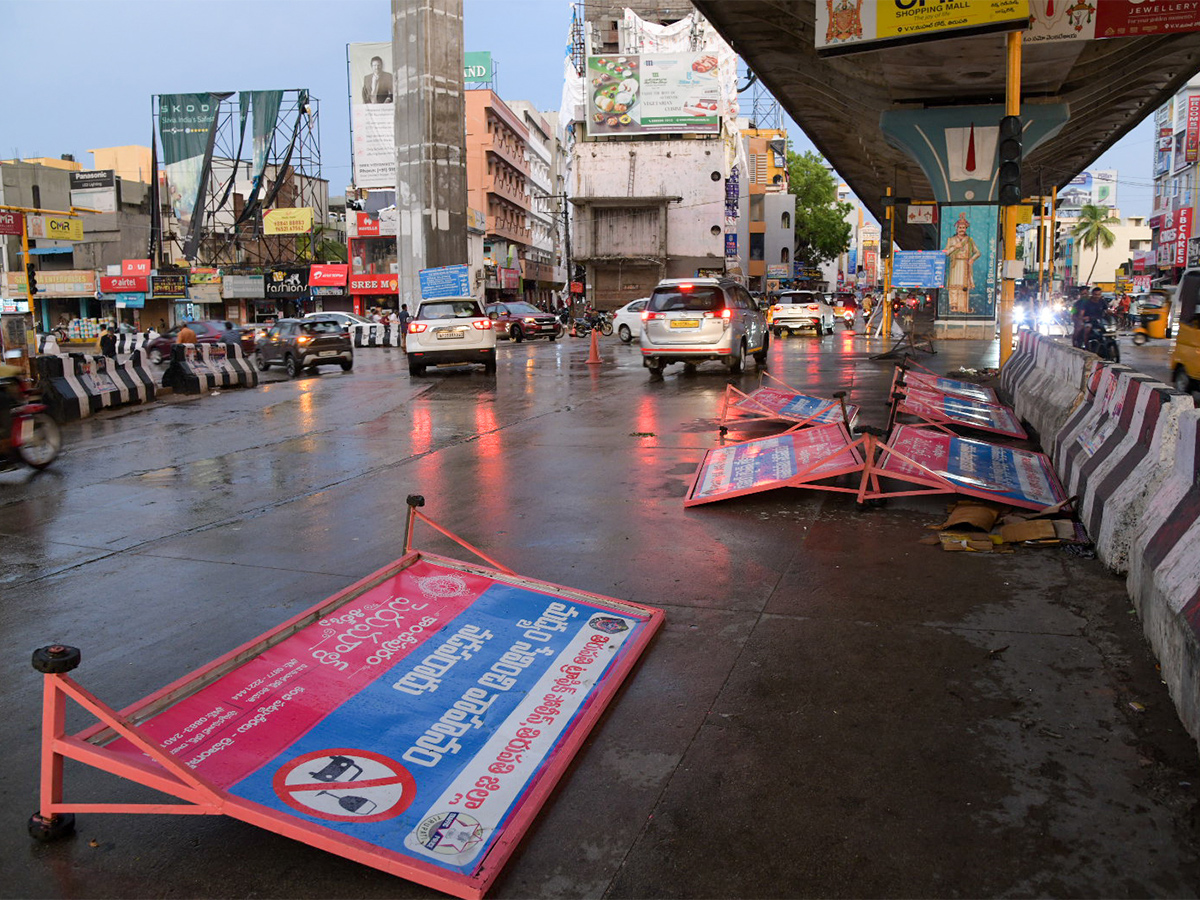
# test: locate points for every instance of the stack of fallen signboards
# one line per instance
(945, 403)
(784, 405)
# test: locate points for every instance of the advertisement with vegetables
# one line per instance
(662, 93)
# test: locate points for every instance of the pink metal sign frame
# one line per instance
(768, 404)
(146, 761)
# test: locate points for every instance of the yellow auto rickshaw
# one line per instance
(1153, 317)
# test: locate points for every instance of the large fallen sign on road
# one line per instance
(415, 722)
(784, 404)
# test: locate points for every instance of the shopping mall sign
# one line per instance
(851, 26)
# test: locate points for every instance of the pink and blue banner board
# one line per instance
(975, 468)
(792, 407)
(943, 409)
(424, 714)
(952, 387)
(794, 459)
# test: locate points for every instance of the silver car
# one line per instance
(794, 311)
(690, 320)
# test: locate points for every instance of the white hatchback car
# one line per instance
(450, 331)
(795, 310)
(627, 321)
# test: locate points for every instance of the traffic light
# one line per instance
(885, 248)
(31, 278)
(1009, 175)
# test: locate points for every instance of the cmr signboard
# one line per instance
(477, 67)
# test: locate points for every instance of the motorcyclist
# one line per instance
(1089, 311)
(10, 397)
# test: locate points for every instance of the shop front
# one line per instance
(67, 295)
(169, 291)
(375, 292)
(243, 296)
(127, 296)
(204, 293)
(328, 283)
(287, 290)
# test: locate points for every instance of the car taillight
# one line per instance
(346, 335)
(812, 307)
(723, 314)
(647, 316)
(482, 324)
(416, 327)
(686, 287)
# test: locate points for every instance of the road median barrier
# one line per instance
(375, 335)
(199, 368)
(1049, 383)
(74, 386)
(1164, 572)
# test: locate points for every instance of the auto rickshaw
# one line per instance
(1153, 317)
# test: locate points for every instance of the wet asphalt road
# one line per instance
(831, 710)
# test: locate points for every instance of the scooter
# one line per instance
(34, 437)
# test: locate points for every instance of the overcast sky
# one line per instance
(81, 74)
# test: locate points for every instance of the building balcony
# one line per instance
(493, 185)
(514, 233)
(505, 150)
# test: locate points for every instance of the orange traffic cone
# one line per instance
(594, 353)
(573, 334)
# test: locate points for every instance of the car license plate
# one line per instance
(685, 323)
(328, 353)
(448, 334)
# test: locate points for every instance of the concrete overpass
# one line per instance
(1108, 86)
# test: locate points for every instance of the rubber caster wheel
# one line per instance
(53, 829)
(56, 659)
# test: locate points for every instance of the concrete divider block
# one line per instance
(1164, 572)
(48, 344)
(1122, 477)
(1054, 386)
(375, 335)
(1019, 365)
(1080, 432)
(199, 368)
(77, 385)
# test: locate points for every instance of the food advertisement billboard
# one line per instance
(661, 93)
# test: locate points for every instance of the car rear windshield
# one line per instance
(449, 309)
(696, 299)
(321, 326)
(796, 297)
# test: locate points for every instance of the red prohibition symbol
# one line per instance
(346, 785)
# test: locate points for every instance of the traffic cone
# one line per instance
(594, 354)
(573, 334)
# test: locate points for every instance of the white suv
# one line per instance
(450, 331)
(796, 310)
(690, 320)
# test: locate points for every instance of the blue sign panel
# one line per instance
(919, 268)
(128, 300)
(447, 281)
(730, 245)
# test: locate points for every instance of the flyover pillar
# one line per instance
(431, 169)
(956, 147)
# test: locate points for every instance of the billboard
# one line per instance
(187, 128)
(850, 26)
(95, 190)
(58, 228)
(968, 235)
(660, 93)
(1096, 187)
(285, 220)
(445, 281)
(477, 67)
(1056, 21)
(372, 114)
(918, 268)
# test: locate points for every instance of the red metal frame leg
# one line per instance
(54, 723)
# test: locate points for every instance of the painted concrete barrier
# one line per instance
(77, 385)
(1118, 457)
(199, 368)
(1051, 386)
(1019, 364)
(1164, 573)
(375, 335)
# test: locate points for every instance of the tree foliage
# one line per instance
(822, 232)
(1091, 233)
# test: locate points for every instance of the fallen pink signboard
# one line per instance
(415, 722)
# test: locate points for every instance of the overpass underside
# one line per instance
(1108, 85)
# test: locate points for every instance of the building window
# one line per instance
(785, 221)
(784, 255)
(756, 208)
(756, 246)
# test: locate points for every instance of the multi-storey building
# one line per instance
(498, 186)
(1176, 154)
(538, 269)
(766, 234)
(649, 195)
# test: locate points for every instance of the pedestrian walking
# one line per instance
(186, 335)
(108, 342)
(403, 318)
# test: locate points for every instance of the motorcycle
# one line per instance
(1102, 339)
(599, 321)
(33, 438)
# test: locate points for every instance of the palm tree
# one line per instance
(1090, 231)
